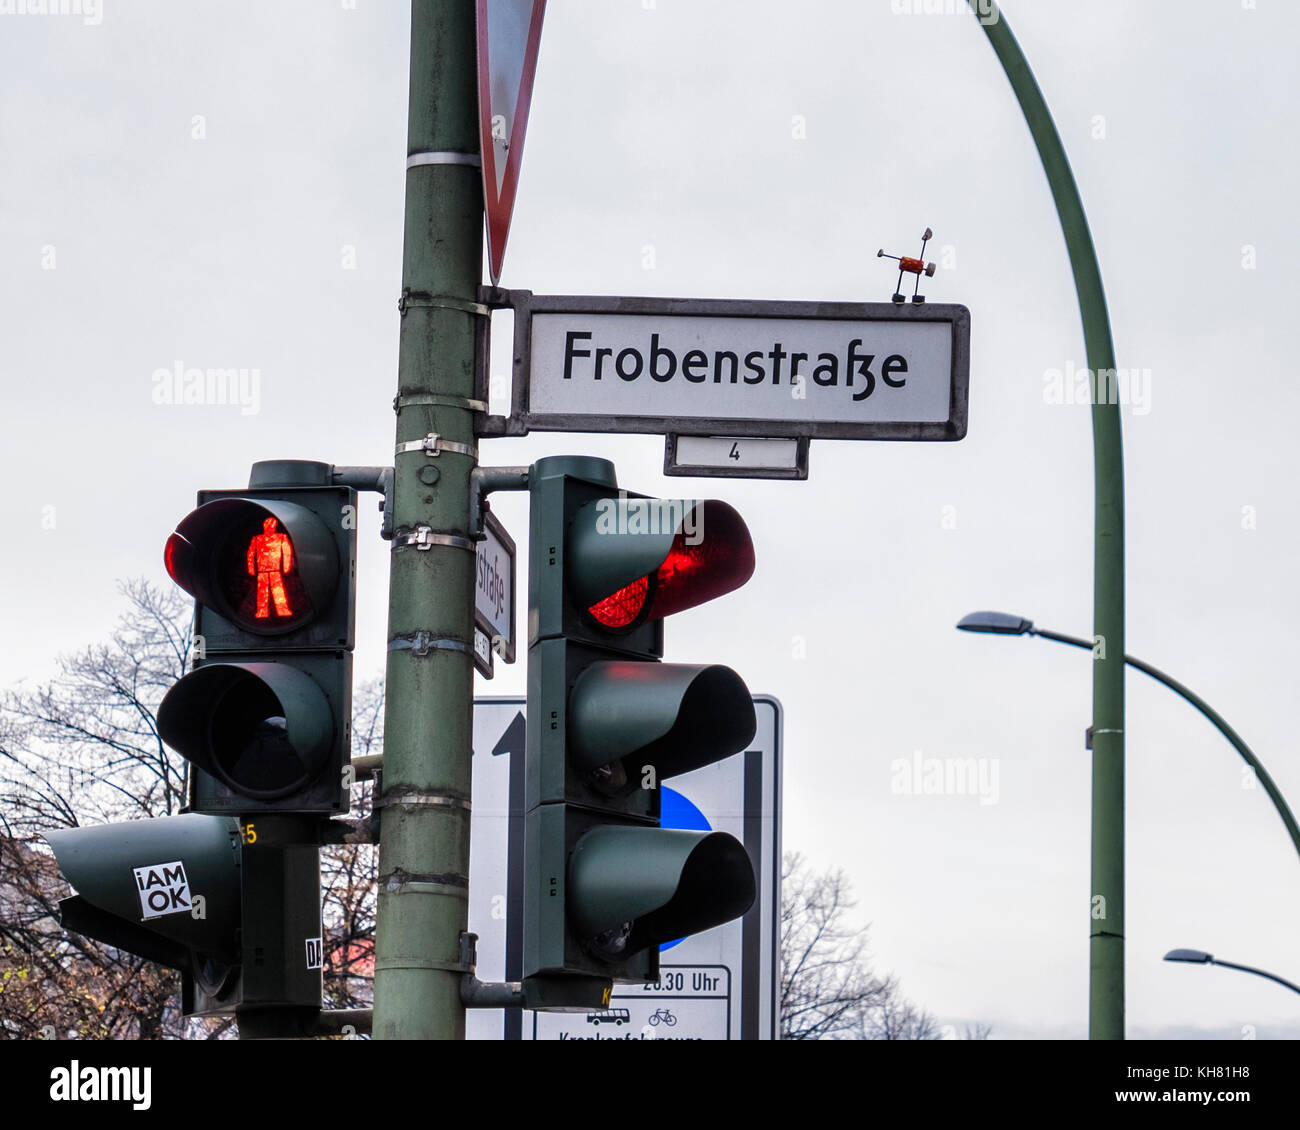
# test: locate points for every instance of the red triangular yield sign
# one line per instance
(509, 32)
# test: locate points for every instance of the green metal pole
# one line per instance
(424, 852)
(1261, 774)
(1106, 965)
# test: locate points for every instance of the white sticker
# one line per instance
(315, 953)
(164, 889)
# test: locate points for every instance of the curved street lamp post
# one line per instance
(1200, 957)
(1004, 624)
(1106, 934)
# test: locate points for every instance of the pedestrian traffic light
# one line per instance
(235, 908)
(607, 722)
(265, 717)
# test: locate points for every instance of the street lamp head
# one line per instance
(1197, 956)
(998, 623)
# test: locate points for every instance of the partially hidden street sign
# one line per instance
(494, 596)
(719, 985)
(509, 32)
(719, 368)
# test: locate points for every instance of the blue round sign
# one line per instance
(675, 811)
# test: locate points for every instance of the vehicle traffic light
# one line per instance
(265, 717)
(607, 722)
(238, 913)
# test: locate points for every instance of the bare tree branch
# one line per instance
(83, 748)
(828, 990)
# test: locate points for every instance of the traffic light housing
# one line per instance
(607, 722)
(265, 716)
(229, 893)
(236, 911)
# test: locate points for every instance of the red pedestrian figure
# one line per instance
(270, 557)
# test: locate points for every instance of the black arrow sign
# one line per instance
(512, 741)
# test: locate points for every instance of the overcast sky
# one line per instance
(220, 184)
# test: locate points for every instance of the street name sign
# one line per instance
(726, 369)
(494, 596)
(719, 985)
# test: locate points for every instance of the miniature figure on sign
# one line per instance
(915, 267)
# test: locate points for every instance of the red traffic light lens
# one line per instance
(623, 608)
(238, 558)
(713, 557)
(711, 554)
(174, 553)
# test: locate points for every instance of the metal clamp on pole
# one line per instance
(422, 537)
(411, 298)
(407, 798)
(445, 884)
(422, 642)
(434, 445)
(421, 399)
(444, 157)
